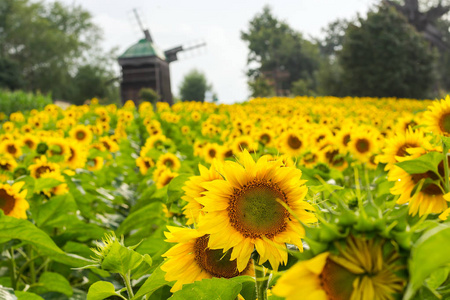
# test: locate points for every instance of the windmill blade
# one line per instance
(193, 49)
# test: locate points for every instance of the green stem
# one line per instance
(446, 181)
(261, 281)
(127, 281)
(13, 271)
(31, 260)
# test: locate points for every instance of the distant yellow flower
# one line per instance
(7, 163)
(144, 163)
(95, 164)
(42, 166)
(11, 147)
(165, 177)
(12, 200)
(81, 133)
(191, 259)
(247, 210)
(292, 143)
(168, 160)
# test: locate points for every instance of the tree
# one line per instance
(279, 53)
(148, 94)
(194, 86)
(385, 56)
(261, 87)
(49, 43)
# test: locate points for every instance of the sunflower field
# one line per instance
(280, 198)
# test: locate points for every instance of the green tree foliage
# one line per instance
(278, 52)
(261, 87)
(385, 56)
(194, 86)
(148, 94)
(51, 45)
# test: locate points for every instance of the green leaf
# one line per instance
(175, 191)
(140, 218)
(55, 212)
(12, 228)
(27, 296)
(121, 259)
(422, 164)
(54, 282)
(428, 255)
(144, 268)
(102, 290)
(45, 184)
(154, 282)
(214, 288)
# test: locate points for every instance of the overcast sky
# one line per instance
(218, 23)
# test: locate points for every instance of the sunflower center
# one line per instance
(147, 164)
(215, 262)
(428, 188)
(7, 201)
(41, 170)
(228, 154)
(168, 162)
(265, 138)
(402, 150)
(5, 166)
(346, 139)
(11, 149)
(336, 281)
(29, 143)
(444, 123)
(243, 145)
(212, 153)
(255, 211)
(334, 158)
(294, 142)
(362, 145)
(80, 135)
(167, 180)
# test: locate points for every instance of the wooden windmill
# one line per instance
(144, 65)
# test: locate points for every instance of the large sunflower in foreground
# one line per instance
(437, 118)
(423, 197)
(251, 208)
(12, 200)
(363, 269)
(191, 259)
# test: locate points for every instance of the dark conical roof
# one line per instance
(143, 48)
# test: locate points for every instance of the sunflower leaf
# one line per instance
(154, 282)
(422, 164)
(422, 264)
(214, 288)
(102, 290)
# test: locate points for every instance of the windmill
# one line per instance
(144, 65)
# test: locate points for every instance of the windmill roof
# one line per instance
(143, 48)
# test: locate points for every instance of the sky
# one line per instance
(218, 24)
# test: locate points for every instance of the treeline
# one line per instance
(54, 48)
(382, 54)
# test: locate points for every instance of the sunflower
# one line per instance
(185, 130)
(77, 155)
(422, 196)
(12, 200)
(95, 164)
(403, 146)
(30, 141)
(363, 269)
(11, 147)
(191, 259)
(332, 156)
(42, 166)
(265, 137)
(7, 163)
(193, 189)
(8, 126)
(81, 133)
(244, 142)
(363, 144)
(109, 144)
(437, 118)
(311, 157)
(212, 151)
(58, 147)
(168, 160)
(165, 176)
(144, 163)
(156, 141)
(248, 209)
(292, 143)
